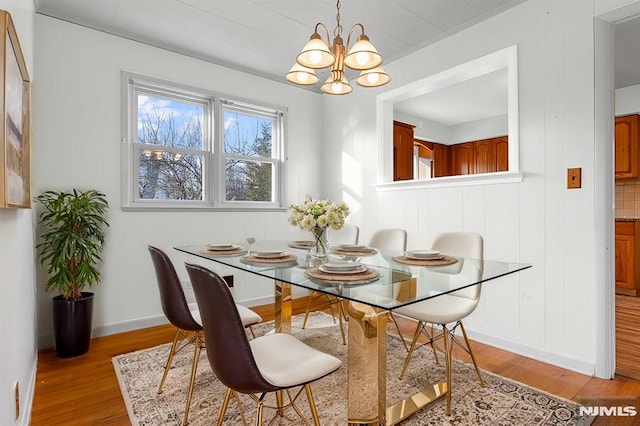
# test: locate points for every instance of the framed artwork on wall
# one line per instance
(15, 106)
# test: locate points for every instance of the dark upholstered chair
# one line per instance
(187, 321)
(270, 363)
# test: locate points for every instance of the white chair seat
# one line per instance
(247, 316)
(443, 309)
(284, 361)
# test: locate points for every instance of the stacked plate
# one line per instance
(269, 254)
(222, 247)
(352, 247)
(424, 254)
(342, 268)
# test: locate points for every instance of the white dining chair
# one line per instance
(452, 307)
(348, 234)
(389, 239)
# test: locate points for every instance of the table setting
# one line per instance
(224, 249)
(425, 258)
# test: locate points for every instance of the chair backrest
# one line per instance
(464, 244)
(228, 348)
(389, 239)
(348, 234)
(174, 304)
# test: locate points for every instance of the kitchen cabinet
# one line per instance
(462, 159)
(627, 146)
(441, 160)
(402, 151)
(627, 248)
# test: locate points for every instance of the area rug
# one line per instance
(501, 402)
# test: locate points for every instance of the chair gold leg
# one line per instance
(194, 368)
(404, 343)
(259, 414)
(447, 357)
(223, 409)
(280, 402)
(169, 360)
(253, 334)
(411, 348)
(340, 319)
(433, 348)
(473, 358)
(312, 405)
(239, 402)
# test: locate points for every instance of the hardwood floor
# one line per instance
(84, 390)
(628, 336)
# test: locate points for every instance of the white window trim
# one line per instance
(214, 187)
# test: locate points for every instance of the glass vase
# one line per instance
(320, 247)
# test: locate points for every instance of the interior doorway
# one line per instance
(626, 85)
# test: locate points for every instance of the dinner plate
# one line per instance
(340, 266)
(352, 247)
(269, 254)
(221, 246)
(358, 269)
(305, 243)
(424, 254)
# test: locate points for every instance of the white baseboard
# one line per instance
(565, 361)
(25, 413)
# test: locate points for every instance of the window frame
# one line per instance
(214, 173)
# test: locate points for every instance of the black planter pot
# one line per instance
(72, 321)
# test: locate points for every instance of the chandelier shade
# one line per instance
(373, 78)
(318, 54)
(315, 54)
(302, 75)
(362, 56)
(335, 86)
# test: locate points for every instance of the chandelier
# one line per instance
(316, 54)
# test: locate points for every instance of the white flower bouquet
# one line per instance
(318, 213)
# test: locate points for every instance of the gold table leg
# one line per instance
(367, 365)
(367, 372)
(283, 307)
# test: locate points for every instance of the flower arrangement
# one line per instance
(318, 213)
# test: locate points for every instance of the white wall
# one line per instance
(18, 357)
(546, 312)
(77, 100)
(627, 100)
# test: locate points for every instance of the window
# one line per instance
(193, 149)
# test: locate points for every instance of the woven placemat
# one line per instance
(304, 245)
(368, 274)
(364, 252)
(233, 252)
(446, 260)
(282, 259)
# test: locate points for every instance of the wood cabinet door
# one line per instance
(402, 151)
(626, 146)
(485, 156)
(462, 158)
(502, 154)
(441, 160)
(625, 266)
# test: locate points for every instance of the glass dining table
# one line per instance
(386, 281)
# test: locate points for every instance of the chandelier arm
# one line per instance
(326, 31)
(353, 27)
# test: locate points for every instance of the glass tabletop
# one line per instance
(380, 278)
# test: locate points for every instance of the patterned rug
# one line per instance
(501, 402)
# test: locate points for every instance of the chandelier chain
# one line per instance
(338, 29)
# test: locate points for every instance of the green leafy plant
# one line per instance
(73, 231)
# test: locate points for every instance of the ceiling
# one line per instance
(263, 37)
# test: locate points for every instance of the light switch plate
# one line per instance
(574, 178)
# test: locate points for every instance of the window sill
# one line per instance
(452, 181)
(200, 209)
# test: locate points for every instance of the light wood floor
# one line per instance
(84, 390)
(628, 336)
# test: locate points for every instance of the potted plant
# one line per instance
(72, 238)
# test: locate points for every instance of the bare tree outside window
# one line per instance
(167, 131)
(247, 140)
